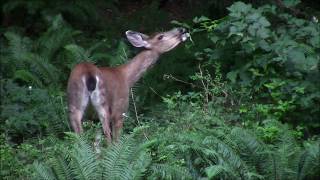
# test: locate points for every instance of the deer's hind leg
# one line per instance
(99, 101)
(78, 98)
(117, 126)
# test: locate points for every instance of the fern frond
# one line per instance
(83, 160)
(60, 167)
(18, 46)
(116, 158)
(126, 159)
(46, 70)
(309, 161)
(227, 157)
(166, 171)
(216, 171)
(55, 38)
(121, 54)
(281, 161)
(251, 149)
(42, 172)
(78, 54)
(28, 77)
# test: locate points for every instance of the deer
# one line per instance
(108, 88)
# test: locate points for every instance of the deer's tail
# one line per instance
(91, 82)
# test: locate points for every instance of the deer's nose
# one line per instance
(182, 30)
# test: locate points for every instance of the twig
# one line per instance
(294, 11)
(169, 76)
(154, 91)
(136, 112)
(64, 111)
(205, 87)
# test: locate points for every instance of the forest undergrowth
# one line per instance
(239, 100)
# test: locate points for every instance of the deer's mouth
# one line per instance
(184, 36)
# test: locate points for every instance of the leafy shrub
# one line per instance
(29, 111)
(16, 161)
(247, 111)
(272, 54)
(210, 146)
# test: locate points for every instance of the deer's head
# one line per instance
(160, 42)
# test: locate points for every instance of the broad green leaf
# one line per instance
(263, 33)
(264, 45)
(264, 22)
(200, 19)
(291, 3)
(239, 7)
(253, 17)
(232, 76)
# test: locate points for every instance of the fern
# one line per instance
(28, 77)
(43, 68)
(77, 54)
(127, 159)
(21, 53)
(309, 161)
(120, 56)
(251, 148)
(55, 38)
(166, 171)
(227, 158)
(81, 10)
(43, 172)
(60, 167)
(18, 46)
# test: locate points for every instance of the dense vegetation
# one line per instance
(240, 100)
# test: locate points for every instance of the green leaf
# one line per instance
(264, 22)
(232, 76)
(263, 33)
(264, 45)
(291, 3)
(301, 61)
(200, 19)
(239, 7)
(253, 16)
(180, 24)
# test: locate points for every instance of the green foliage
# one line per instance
(30, 111)
(239, 101)
(16, 161)
(210, 147)
(274, 54)
(126, 159)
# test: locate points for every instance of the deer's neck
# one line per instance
(134, 69)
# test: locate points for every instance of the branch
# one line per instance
(294, 11)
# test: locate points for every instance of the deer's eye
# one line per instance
(160, 37)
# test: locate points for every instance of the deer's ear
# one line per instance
(137, 39)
